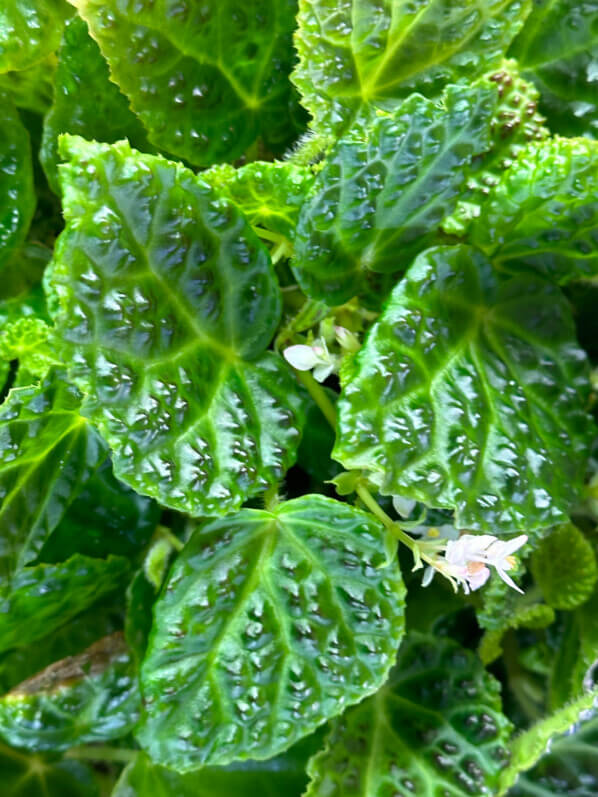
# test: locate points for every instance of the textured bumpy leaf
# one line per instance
(469, 393)
(86, 102)
(435, 727)
(270, 623)
(32, 88)
(564, 567)
(34, 775)
(29, 31)
(558, 50)
(88, 698)
(167, 302)
(205, 78)
(17, 197)
(370, 53)
(386, 187)
(43, 597)
(269, 194)
(544, 211)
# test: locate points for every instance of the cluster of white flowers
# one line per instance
(316, 356)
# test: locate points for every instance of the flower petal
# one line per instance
(301, 357)
(508, 580)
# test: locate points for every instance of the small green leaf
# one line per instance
(435, 728)
(270, 623)
(205, 78)
(385, 188)
(536, 615)
(544, 211)
(17, 197)
(92, 697)
(365, 53)
(469, 393)
(42, 597)
(86, 101)
(167, 303)
(558, 50)
(564, 567)
(36, 775)
(29, 31)
(27, 340)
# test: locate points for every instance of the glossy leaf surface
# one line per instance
(205, 78)
(26, 775)
(174, 370)
(86, 102)
(92, 697)
(31, 88)
(558, 50)
(436, 727)
(367, 53)
(543, 212)
(42, 597)
(29, 31)
(469, 394)
(17, 197)
(270, 623)
(385, 188)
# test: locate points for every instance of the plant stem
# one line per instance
(318, 394)
(102, 753)
(166, 534)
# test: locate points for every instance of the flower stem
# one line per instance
(166, 534)
(102, 753)
(318, 394)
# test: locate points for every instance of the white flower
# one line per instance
(346, 339)
(467, 559)
(316, 356)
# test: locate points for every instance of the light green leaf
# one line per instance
(469, 393)
(33, 87)
(543, 212)
(86, 101)
(558, 50)
(270, 623)
(36, 775)
(529, 746)
(29, 31)
(167, 303)
(564, 567)
(28, 340)
(17, 197)
(365, 53)
(92, 697)
(385, 188)
(435, 728)
(206, 77)
(41, 598)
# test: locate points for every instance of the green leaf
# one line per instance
(564, 567)
(385, 188)
(435, 728)
(270, 623)
(36, 775)
(42, 597)
(27, 340)
(269, 194)
(92, 697)
(29, 31)
(33, 87)
(205, 78)
(364, 53)
(543, 212)
(569, 767)
(529, 746)
(535, 615)
(558, 50)
(469, 393)
(167, 303)
(86, 101)
(17, 197)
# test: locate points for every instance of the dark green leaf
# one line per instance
(41, 598)
(32, 88)
(86, 101)
(544, 211)
(17, 197)
(470, 393)
(435, 728)
(206, 78)
(92, 697)
(39, 776)
(558, 50)
(270, 623)
(366, 53)
(29, 31)
(564, 567)
(385, 188)
(167, 302)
